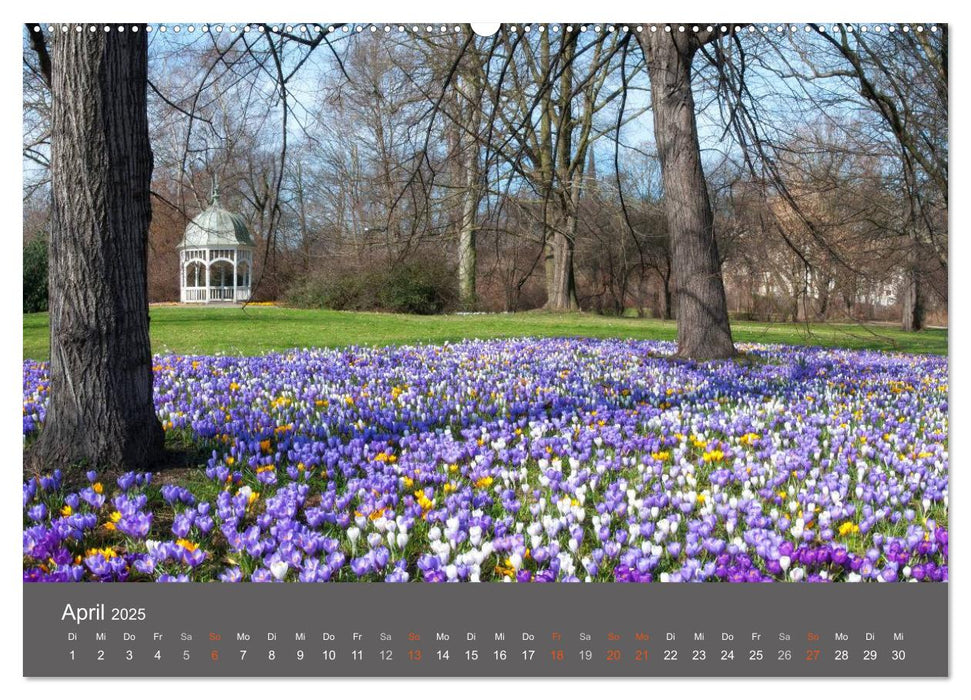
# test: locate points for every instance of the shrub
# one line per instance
(426, 287)
(35, 275)
(346, 292)
(418, 288)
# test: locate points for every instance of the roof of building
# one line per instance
(216, 227)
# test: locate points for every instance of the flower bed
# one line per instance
(519, 460)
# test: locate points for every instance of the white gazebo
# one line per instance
(216, 257)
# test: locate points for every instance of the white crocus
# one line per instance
(475, 535)
(279, 569)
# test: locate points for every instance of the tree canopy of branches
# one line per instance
(692, 174)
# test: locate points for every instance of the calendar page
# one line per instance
(613, 349)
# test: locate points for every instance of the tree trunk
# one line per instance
(561, 289)
(824, 294)
(305, 242)
(668, 298)
(467, 229)
(101, 411)
(564, 198)
(549, 266)
(702, 310)
(794, 303)
(467, 256)
(913, 298)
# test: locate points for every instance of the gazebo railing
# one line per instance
(196, 294)
(222, 294)
(226, 294)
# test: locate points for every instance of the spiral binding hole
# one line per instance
(351, 29)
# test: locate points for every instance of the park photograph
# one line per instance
(521, 303)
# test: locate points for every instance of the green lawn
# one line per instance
(255, 330)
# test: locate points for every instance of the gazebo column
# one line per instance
(207, 274)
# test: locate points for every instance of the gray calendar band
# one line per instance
(513, 629)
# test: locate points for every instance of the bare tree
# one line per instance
(476, 154)
(704, 332)
(905, 79)
(471, 194)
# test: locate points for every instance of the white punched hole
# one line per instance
(487, 29)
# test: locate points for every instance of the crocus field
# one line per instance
(518, 460)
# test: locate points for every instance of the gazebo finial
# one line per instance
(215, 189)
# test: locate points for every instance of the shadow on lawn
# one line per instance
(180, 459)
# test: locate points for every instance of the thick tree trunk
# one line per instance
(561, 287)
(702, 310)
(101, 411)
(562, 290)
(558, 253)
(913, 300)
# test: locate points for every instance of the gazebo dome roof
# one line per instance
(216, 227)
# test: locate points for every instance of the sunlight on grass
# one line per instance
(256, 330)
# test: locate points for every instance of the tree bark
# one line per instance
(562, 288)
(668, 298)
(824, 287)
(468, 225)
(913, 298)
(100, 412)
(704, 332)
(467, 253)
